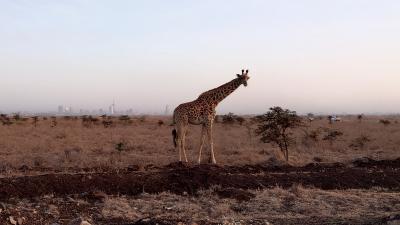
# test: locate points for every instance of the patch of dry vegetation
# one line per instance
(275, 205)
(142, 140)
(268, 205)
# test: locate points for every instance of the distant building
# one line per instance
(166, 110)
(60, 109)
(68, 110)
(129, 111)
(111, 109)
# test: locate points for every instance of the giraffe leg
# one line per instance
(210, 139)
(183, 143)
(179, 141)
(203, 137)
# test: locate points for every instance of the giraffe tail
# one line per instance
(174, 135)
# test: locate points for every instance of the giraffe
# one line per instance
(202, 112)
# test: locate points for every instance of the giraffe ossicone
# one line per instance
(202, 112)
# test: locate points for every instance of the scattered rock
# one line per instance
(12, 220)
(21, 221)
(79, 221)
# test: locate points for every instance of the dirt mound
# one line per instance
(368, 163)
(188, 179)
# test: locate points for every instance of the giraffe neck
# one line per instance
(218, 94)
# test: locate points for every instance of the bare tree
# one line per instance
(275, 126)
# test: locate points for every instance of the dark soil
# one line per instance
(188, 179)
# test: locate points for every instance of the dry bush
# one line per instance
(384, 122)
(107, 123)
(311, 137)
(125, 119)
(240, 120)
(360, 142)
(332, 135)
(228, 118)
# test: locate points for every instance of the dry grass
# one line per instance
(275, 205)
(70, 144)
(269, 204)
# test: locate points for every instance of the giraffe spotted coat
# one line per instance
(202, 112)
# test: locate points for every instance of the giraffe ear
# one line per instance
(238, 75)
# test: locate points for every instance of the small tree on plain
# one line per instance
(35, 120)
(275, 125)
(360, 117)
(228, 118)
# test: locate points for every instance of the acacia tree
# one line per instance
(275, 125)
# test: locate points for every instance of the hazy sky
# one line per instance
(309, 56)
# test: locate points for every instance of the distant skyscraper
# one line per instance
(111, 109)
(166, 110)
(60, 109)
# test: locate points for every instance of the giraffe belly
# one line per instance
(196, 121)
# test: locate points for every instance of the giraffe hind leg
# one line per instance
(180, 132)
(183, 143)
(202, 138)
(210, 139)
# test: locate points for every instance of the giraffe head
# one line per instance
(244, 77)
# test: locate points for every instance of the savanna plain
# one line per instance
(124, 170)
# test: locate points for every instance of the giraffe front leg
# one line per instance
(179, 142)
(203, 137)
(183, 145)
(180, 149)
(210, 139)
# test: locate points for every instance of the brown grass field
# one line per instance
(127, 174)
